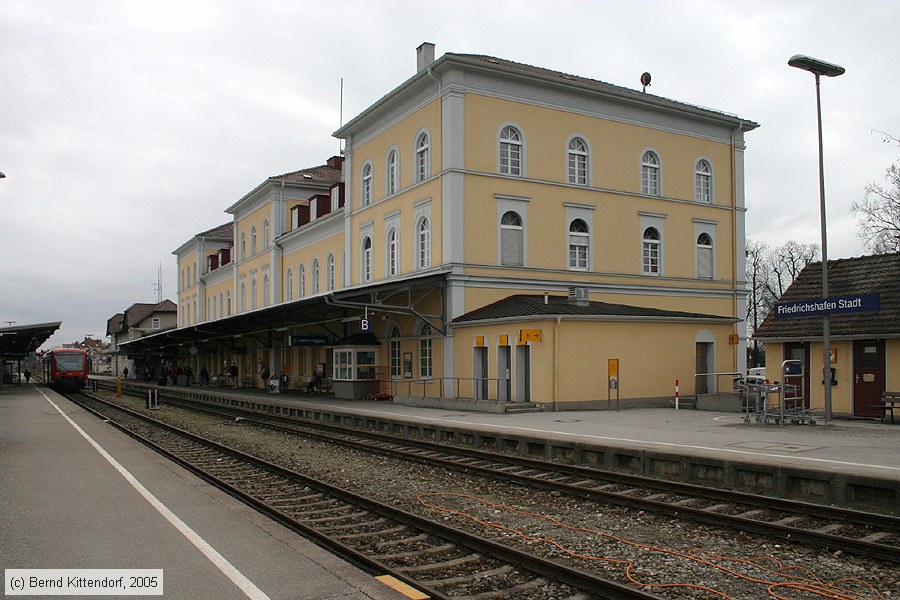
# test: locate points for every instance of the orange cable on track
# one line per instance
(807, 583)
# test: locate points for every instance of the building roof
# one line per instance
(601, 86)
(25, 338)
(137, 312)
(115, 324)
(522, 306)
(549, 76)
(863, 275)
(224, 231)
(321, 175)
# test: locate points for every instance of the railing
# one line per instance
(711, 384)
(466, 388)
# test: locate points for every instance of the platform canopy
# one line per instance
(23, 339)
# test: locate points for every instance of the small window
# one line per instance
(511, 239)
(703, 182)
(366, 188)
(578, 245)
(578, 161)
(329, 272)
(265, 243)
(510, 151)
(156, 324)
(289, 285)
(650, 255)
(704, 256)
(243, 245)
(650, 174)
(253, 241)
(228, 303)
(394, 336)
(367, 259)
(424, 244)
(266, 293)
(254, 292)
(393, 172)
(423, 157)
(393, 254)
(315, 276)
(425, 353)
(301, 283)
(243, 297)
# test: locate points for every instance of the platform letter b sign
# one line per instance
(364, 325)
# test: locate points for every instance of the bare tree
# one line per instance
(770, 272)
(878, 215)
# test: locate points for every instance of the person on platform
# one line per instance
(204, 376)
(27, 376)
(233, 373)
(125, 373)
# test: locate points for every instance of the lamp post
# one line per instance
(818, 68)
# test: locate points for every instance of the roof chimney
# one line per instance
(424, 56)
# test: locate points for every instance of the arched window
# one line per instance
(366, 187)
(650, 254)
(578, 161)
(221, 305)
(253, 241)
(578, 245)
(703, 182)
(289, 285)
(243, 245)
(511, 239)
(315, 276)
(650, 173)
(392, 179)
(266, 293)
(704, 256)
(228, 302)
(393, 253)
(510, 151)
(423, 244)
(301, 276)
(243, 296)
(208, 309)
(367, 259)
(425, 354)
(329, 272)
(396, 365)
(423, 157)
(253, 293)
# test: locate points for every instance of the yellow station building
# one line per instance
(494, 233)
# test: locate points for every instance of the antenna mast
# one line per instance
(157, 287)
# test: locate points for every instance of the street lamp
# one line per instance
(818, 68)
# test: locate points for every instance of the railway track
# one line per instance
(439, 560)
(862, 533)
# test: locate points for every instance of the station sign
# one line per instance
(529, 335)
(307, 340)
(839, 305)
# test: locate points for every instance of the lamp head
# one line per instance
(816, 66)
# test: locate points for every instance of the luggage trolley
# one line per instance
(791, 397)
(756, 403)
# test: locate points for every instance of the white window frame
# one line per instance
(395, 360)
(393, 252)
(423, 243)
(289, 285)
(265, 243)
(651, 173)
(156, 323)
(511, 150)
(254, 292)
(705, 248)
(366, 178)
(703, 181)
(579, 255)
(314, 275)
(520, 228)
(253, 241)
(366, 252)
(265, 290)
(426, 353)
(422, 152)
(329, 272)
(392, 172)
(243, 245)
(651, 252)
(228, 302)
(574, 156)
(301, 280)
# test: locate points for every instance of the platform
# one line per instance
(847, 462)
(66, 506)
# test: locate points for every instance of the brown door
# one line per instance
(797, 351)
(868, 377)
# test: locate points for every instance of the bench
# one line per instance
(889, 401)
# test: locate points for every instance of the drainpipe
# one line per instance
(734, 244)
(556, 363)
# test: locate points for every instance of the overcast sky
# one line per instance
(128, 127)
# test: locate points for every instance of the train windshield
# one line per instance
(70, 362)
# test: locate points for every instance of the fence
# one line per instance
(465, 388)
